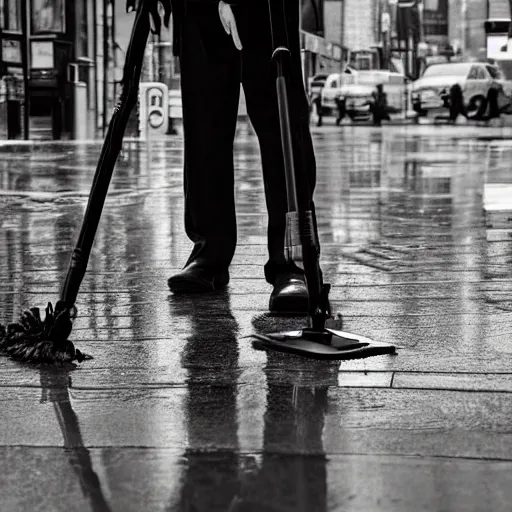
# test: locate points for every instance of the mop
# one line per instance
(33, 339)
(321, 339)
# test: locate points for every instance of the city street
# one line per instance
(178, 412)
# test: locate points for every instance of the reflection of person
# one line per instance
(217, 475)
(294, 421)
(215, 56)
(210, 355)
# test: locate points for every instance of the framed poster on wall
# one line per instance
(48, 17)
(11, 52)
(42, 55)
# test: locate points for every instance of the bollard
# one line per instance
(80, 123)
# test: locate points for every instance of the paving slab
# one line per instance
(178, 412)
(109, 479)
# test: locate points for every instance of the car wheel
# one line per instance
(476, 108)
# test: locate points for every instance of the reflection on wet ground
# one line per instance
(177, 412)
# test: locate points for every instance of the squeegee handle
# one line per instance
(286, 142)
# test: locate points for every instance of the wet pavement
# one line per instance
(177, 411)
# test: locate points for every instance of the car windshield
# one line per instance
(452, 69)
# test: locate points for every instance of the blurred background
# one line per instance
(61, 60)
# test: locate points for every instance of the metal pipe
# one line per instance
(105, 66)
(24, 57)
(284, 117)
(94, 22)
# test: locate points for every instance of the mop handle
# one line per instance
(109, 153)
(278, 30)
(281, 52)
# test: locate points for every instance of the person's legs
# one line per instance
(340, 105)
(210, 82)
(318, 107)
(259, 82)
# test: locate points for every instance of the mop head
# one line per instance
(34, 340)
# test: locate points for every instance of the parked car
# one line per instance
(431, 92)
(354, 91)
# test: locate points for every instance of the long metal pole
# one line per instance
(24, 57)
(105, 66)
(94, 23)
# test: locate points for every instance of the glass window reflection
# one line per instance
(14, 15)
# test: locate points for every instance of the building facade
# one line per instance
(52, 71)
(466, 24)
(61, 60)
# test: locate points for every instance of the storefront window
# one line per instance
(13, 15)
(48, 16)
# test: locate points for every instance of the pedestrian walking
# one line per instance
(221, 44)
(317, 102)
(341, 109)
(379, 106)
(456, 103)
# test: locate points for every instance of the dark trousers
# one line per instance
(211, 72)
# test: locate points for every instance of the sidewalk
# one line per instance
(176, 412)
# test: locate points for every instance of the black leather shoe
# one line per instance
(198, 278)
(290, 294)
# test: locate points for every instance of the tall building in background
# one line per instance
(435, 22)
(466, 26)
(359, 24)
(320, 38)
